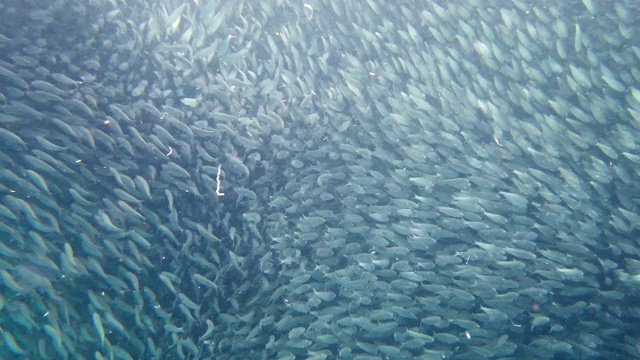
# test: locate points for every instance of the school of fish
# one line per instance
(319, 179)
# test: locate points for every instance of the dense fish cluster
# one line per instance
(326, 180)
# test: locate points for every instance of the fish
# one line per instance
(471, 162)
